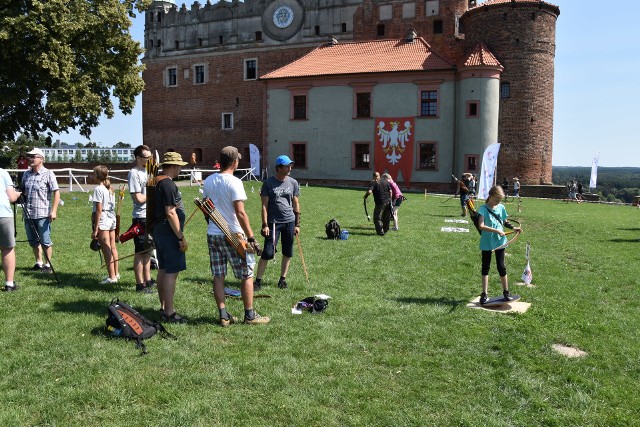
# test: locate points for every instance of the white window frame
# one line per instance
(205, 73)
(223, 121)
(245, 68)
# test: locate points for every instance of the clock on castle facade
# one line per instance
(282, 19)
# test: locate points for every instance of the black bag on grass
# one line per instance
(123, 321)
(333, 229)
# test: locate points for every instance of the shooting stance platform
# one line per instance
(499, 304)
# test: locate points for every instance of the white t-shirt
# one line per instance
(223, 189)
(138, 184)
(104, 196)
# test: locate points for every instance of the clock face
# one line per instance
(283, 17)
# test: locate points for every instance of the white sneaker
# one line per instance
(118, 276)
(108, 280)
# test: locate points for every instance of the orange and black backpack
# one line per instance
(123, 321)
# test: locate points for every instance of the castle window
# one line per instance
(258, 35)
(199, 72)
(385, 12)
(504, 16)
(380, 30)
(177, 44)
(299, 154)
(158, 43)
(300, 107)
(427, 156)
(227, 121)
(361, 155)
(151, 43)
(316, 29)
(505, 90)
(200, 42)
(408, 10)
(471, 162)
(221, 39)
(363, 104)
(344, 27)
(250, 69)
(437, 26)
(172, 76)
(473, 109)
(432, 7)
(159, 16)
(429, 103)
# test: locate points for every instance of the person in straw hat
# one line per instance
(168, 226)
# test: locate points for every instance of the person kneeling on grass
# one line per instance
(492, 216)
(104, 222)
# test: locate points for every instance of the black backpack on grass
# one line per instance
(333, 230)
(123, 321)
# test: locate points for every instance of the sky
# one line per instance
(597, 84)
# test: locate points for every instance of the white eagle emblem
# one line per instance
(394, 141)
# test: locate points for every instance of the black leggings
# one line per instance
(486, 262)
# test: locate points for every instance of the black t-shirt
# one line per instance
(381, 192)
(166, 194)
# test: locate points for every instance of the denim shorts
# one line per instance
(42, 227)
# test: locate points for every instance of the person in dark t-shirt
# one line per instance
(382, 198)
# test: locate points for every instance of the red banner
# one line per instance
(394, 146)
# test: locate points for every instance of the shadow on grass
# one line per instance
(100, 308)
(634, 240)
(433, 301)
(85, 282)
(630, 229)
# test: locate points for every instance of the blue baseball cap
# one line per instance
(283, 160)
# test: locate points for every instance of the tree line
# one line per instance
(614, 184)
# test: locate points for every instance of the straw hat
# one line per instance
(172, 158)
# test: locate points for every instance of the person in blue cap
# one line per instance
(280, 218)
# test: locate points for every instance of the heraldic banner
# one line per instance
(394, 146)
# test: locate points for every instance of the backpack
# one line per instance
(123, 321)
(333, 230)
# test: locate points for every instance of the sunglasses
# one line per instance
(145, 157)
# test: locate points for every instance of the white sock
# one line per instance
(47, 265)
(9, 284)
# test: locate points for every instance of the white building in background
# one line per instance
(75, 154)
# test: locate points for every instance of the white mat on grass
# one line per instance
(454, 230)
(512, 307)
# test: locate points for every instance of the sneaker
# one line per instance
(11, 288)
(174, 318)
(144, 289)
(151, 284)
(257, 320)
(257, 285)
(395, 229)
(36, 267)
(46, 269)
(507, 295)
(282, 284)
(118, 276)
(108, 280)
(227, 322)
(483, 298)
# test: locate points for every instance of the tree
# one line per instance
(122, 145)
(62, 60)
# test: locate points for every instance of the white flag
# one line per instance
(527, 275)
(488, 172)
(594, 171)
(254, 157)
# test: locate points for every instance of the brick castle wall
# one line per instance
(522, 37)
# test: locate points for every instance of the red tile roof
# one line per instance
(481, 56)
(379, 56)
(491, 2)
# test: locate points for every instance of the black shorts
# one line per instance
(138, 241)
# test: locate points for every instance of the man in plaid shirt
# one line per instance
(38, 186)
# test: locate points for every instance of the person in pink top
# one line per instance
(396, 199)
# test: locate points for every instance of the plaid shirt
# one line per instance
(38, 187)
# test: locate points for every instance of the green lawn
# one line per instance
(397, 346)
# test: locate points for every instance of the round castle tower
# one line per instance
(521, 35)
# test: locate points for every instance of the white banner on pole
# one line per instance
(254, 158)
(488, 172)
(594, 171)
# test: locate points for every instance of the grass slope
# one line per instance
(397, 346)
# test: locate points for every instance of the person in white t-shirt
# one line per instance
(228, 195)
(104, 222)
(8, 195)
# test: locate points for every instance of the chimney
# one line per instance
(333, 40)
(411, 35)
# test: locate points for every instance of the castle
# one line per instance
(214, 77)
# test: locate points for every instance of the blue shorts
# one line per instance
(286, 231)
(170, 258)
(43, 228)
(221, 251)
(463, 200)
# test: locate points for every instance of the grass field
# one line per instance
(397, 345)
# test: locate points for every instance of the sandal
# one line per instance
(174, 318)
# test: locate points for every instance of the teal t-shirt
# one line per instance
(488, 240)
